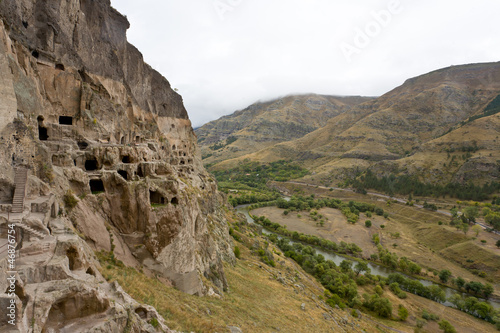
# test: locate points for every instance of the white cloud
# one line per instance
(263, 49)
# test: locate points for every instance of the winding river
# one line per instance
(375, 269)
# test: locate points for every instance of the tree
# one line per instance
(476, 228)
(459, 282)
(402, 313)
(368, 223)
(345, 265)
(493, 219)
(446, 327)
(471, 213)
(487, 290)
(498, 243)
(361, 266)
(465, 228)
(444, 275)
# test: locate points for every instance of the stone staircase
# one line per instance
(20, 179)
(31, 230)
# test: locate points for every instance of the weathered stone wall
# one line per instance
(83, 111)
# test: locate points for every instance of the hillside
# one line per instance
(441, 127)
(264, 124)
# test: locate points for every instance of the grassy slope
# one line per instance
(431, 245)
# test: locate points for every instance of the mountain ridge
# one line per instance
(394, 131)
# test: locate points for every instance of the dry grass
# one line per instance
(256, 301)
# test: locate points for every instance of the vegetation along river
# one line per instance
(375, 269)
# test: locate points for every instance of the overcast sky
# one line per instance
(223, 55)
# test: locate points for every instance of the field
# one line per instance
(421, 237)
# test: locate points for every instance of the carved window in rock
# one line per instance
(91, 165)
(65, 120)
(156, 198)
(96, 186)
(126, 159)
(123, 173)
(82, 145)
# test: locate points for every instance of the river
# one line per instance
(375, 269)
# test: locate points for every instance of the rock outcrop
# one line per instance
(112, 158)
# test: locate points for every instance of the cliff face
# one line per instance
(96, 125)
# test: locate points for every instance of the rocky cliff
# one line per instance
(113, 166)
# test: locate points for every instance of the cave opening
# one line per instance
(156, 198)
(60, 67)
(123, 173)
(139, 172)
(91, 165)
(65, 120)
(96, 186)
(42, 133)
(35, 54)
(72, 255)
(82, 145)
(126, 159)
(174, 201)
(42, 130)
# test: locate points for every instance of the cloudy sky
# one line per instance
(223, 55)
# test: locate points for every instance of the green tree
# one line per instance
(493, 219)
(237, 252)
(361, 266)
(476, 228)
(346, 265)
(446, 327)
(465, 228)
(368, 223)
(471, 213)
(402, 312)
(459, 282)
(444, 275)
(498, 243)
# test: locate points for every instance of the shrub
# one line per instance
(429, 316)
(154, 322)
(368, 223)
(402, 313)
(237, 252)
(69, 199)
(447, 327)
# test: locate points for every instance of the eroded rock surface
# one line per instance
(111, 154)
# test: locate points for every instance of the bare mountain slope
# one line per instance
(404, 129)
(264, 124)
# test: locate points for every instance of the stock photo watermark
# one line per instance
(10, 252)
(223, 7)
(364, 36)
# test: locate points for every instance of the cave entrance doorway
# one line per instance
(96, 186)
(123, 173)
(156, 198)
(42, 130)
(91, 165)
